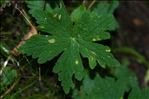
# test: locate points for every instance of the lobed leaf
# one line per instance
(97, 52)
(101, 88)
(7, 78)
(53, 21)
(70, 35)
(44, 47)
(111, 88)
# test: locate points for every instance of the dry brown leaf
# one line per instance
(32, 32)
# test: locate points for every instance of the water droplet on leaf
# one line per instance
(108, 50)
(51, 40)
(76, 62)
(96, 39)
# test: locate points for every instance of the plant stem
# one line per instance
(139, 57)
(130, 51)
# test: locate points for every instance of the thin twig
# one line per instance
(130, 51)
(24, 15)
(10, 89)
(84, 2)
(26, 87)
(32, 32)
(40, 79)
(91, 4)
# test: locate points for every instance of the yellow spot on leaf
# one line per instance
(93, 39)
(51, 40)
(96, 39)
(76, 62)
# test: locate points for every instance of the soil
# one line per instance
(133, 17)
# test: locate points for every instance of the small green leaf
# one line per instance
(8, 77)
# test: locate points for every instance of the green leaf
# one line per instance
(105, 11)
(77, 13)
(8, 77)
(125, 75)
(68, 64)
(101, 88)
(4, 3)
(69, 36)
(44, 47)
(92, 28)
(128, 79)
(97, 52)
(53, 21)
(106, 8)
(138, 93)
(111, 88)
